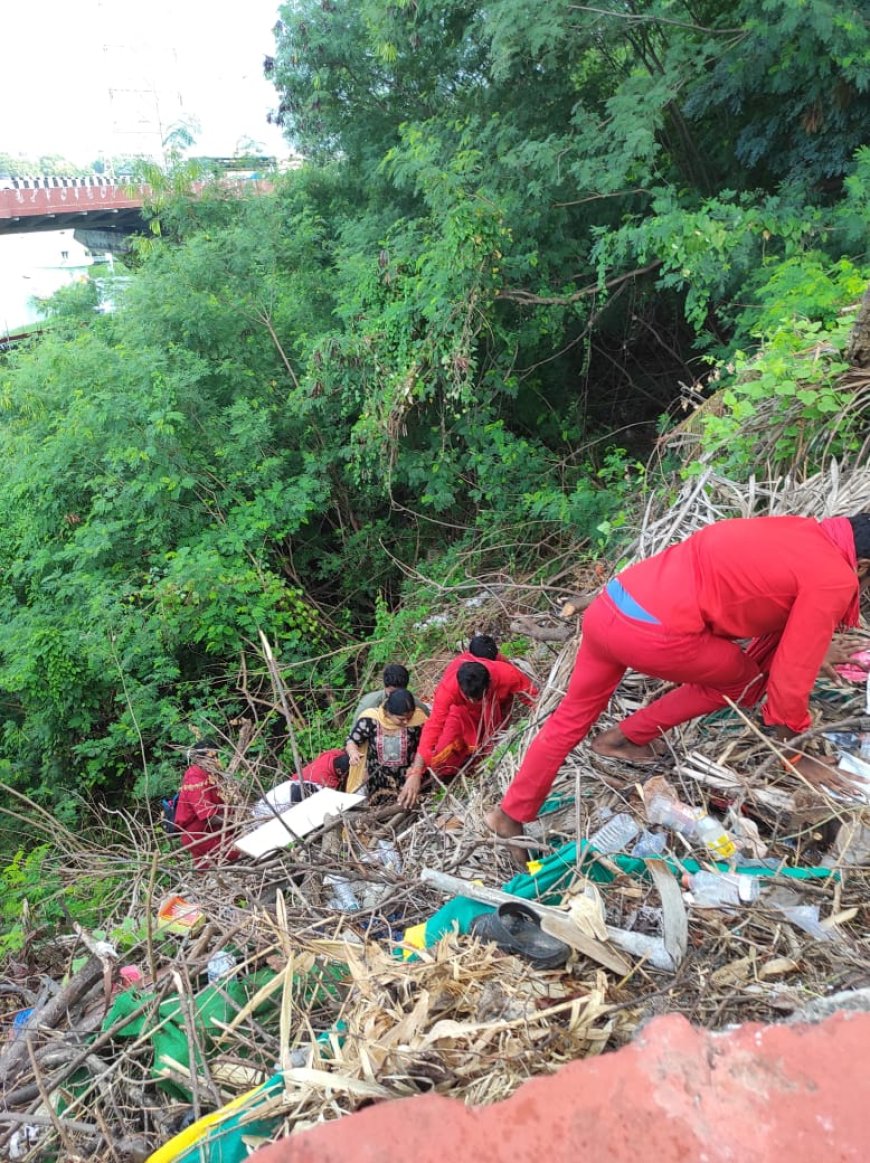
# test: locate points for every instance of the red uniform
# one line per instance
(322, 769)
(459, 728)
(786, 582)
(199, 802)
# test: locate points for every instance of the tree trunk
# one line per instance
(858, 350)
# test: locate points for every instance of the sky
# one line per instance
(81, 78)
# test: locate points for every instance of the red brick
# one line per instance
(756, 1094)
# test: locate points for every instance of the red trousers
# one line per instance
(712, 670)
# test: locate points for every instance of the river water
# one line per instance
(36, 265)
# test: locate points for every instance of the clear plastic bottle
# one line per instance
(389, 856)
(343, 896)
(649, 844)
(615, 835)
(671, 813)
(854, 742)
(712, 889)
(715, 839)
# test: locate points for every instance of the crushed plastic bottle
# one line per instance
(649, 844)
(642, 945)
(806, 917)
(389, 856)
(715, 839)
(717, 889)
(616, 835)
(854, 742)
(220, 964)
(343, 897)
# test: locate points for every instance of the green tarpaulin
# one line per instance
(551, 880)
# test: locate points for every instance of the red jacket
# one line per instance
(746, 578)
(198, 802)
(505, 681)
(321, 770)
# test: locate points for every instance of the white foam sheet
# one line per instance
(296, 822)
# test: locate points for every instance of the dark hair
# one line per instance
(204, 745)
(396, 675)
(483, 646)
(473, 679)
(861, 529)
(400, 702)
(341, 764)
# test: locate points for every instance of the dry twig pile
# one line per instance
(327, 999)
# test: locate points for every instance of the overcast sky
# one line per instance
(85, 77)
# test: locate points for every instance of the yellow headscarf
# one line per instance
(357, 774)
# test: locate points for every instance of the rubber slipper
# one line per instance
(516, 928)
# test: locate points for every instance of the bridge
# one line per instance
(102, 211)
(53, 203)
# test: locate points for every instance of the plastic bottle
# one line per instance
(670, 812)
(649, 844)
(343, 897)
(389, 856)
(616, 835)
(712, 889)
(643, 945)
(220, 964)
(806, 917)
(854, 742)
(715, 839)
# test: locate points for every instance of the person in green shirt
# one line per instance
(396, 678)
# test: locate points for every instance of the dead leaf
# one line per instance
(777, 967)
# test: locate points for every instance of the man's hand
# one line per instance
(840, 652)
(411, 790)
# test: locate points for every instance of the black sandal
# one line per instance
(516, 928)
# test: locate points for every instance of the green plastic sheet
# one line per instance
(211, 1006)
(557, 871)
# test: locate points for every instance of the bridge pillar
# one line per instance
(113, 241)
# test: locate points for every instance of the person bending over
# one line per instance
(472, 701)
(201, 812)
(329, 769)
(786, 583)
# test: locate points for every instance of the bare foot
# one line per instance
(614, 745)
(507, 828)
(502, 824)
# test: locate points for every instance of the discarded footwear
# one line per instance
(516, 928)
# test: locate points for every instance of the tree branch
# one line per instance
(562, 300)
(643, 18)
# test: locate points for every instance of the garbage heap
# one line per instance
(388, 954)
